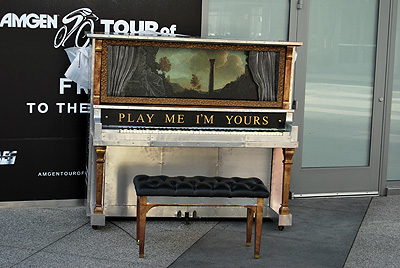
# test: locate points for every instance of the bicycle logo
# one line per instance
(83, 17)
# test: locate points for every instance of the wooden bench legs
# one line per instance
(258, 211)
(250, 217)
(142, 209)
(259, 221)
(252, 210)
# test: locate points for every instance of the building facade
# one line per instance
(346, 83)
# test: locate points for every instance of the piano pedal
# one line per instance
(194, 215)
(179, 214)
(187, 217)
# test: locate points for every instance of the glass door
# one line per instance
(341, 95)
(339, 83)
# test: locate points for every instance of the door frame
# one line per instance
(389, 187)
(345, 180)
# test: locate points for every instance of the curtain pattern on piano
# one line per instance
(123, 61)
(263, 66)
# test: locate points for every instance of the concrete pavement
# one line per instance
(326, 232)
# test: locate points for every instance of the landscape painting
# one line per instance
(145, 71)
(191, 73)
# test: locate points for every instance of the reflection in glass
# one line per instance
(248, 20)
(394, 138)
(339, 83)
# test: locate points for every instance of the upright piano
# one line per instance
(189, 106)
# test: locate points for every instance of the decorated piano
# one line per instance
(189, 106)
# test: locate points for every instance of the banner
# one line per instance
(43, 115)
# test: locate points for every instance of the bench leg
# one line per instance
(259, 220)
(141, 222)
(137, 219)
(249, 230)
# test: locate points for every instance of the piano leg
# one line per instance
(100, 152)
(287, 163)
(280, 187)
(275, 200)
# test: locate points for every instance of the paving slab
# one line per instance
(378, 240)
(33, 228)
(322, 234)
(57, 260)
(114, 245)
(10, 256)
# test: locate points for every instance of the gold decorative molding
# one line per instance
(288, 77)
(97, 72)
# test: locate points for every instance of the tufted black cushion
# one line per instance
(199, 186)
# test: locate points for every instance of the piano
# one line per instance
(189, 106)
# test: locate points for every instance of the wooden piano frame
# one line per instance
(282, 143)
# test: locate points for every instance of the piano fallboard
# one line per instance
(120, 135)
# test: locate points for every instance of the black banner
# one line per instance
(193, 119)
(43, 114)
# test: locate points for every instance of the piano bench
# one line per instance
(201, 186)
